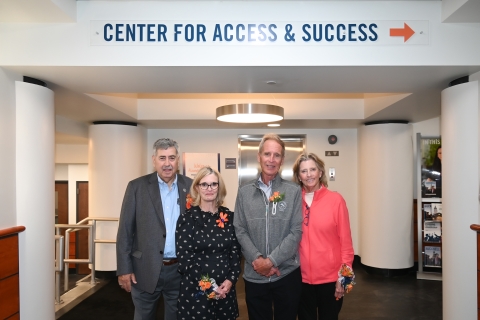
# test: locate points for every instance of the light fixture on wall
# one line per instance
(249, 113)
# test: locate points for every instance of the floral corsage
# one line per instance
(275, 198)
(208, 287)
(188, 205)
(221, 222)
(346, 277)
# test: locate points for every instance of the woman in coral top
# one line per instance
(326, 251)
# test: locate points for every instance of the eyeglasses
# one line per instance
(307, 216)
(204, 185)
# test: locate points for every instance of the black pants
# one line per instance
(274, 300)
(318, 302)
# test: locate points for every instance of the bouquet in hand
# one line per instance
(346, 277)
(208, 287)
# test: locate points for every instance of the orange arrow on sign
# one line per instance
(406, 32)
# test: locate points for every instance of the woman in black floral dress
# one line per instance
(207, 250)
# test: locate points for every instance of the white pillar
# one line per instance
(386, 195)
(35, 189)
(460, 198)
(116, 155)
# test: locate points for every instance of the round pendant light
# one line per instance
(249, 113)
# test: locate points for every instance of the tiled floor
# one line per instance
(396, 298)
(377, 297)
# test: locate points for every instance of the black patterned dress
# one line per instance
(204, 248)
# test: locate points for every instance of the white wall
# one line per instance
(71, 153)
(8, 209)
(225, 142)
(61, 172)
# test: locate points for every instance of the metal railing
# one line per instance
(63, 261)
(58, 265)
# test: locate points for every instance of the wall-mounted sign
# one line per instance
(230, 163)
(131, 32)
(332, 153)
(192, 162)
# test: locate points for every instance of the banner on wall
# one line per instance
(192, 162)
(259, 33)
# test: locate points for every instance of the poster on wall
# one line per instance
(431, 167)
(192, 162)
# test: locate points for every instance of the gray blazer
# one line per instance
(141, 229)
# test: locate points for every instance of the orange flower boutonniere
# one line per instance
(276, 197)
(346, 277)
(208, 287)
(222, 220)
(189, 201)
(204, 284)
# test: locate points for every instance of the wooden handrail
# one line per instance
(475, 227)
(12, 230)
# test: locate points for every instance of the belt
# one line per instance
(169, 262)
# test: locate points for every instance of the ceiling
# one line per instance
(74, 87)
(87, 94)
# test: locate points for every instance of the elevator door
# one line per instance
(249, 168)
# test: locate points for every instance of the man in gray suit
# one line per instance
(146, 254)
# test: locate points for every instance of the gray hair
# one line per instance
(164, 144)
(274, 137)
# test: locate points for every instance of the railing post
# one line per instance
(58, 265)
(67, 255)
(93, 236)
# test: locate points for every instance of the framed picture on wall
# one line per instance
(192, 162)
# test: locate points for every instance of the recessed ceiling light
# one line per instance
(271, 82)
(273, 124)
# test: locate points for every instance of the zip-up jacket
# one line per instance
(326, 242)
(269, 229)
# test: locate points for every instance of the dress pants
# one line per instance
(318, 302)
(282, 296)
(169, 285)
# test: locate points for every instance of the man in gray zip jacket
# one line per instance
(268, 225)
